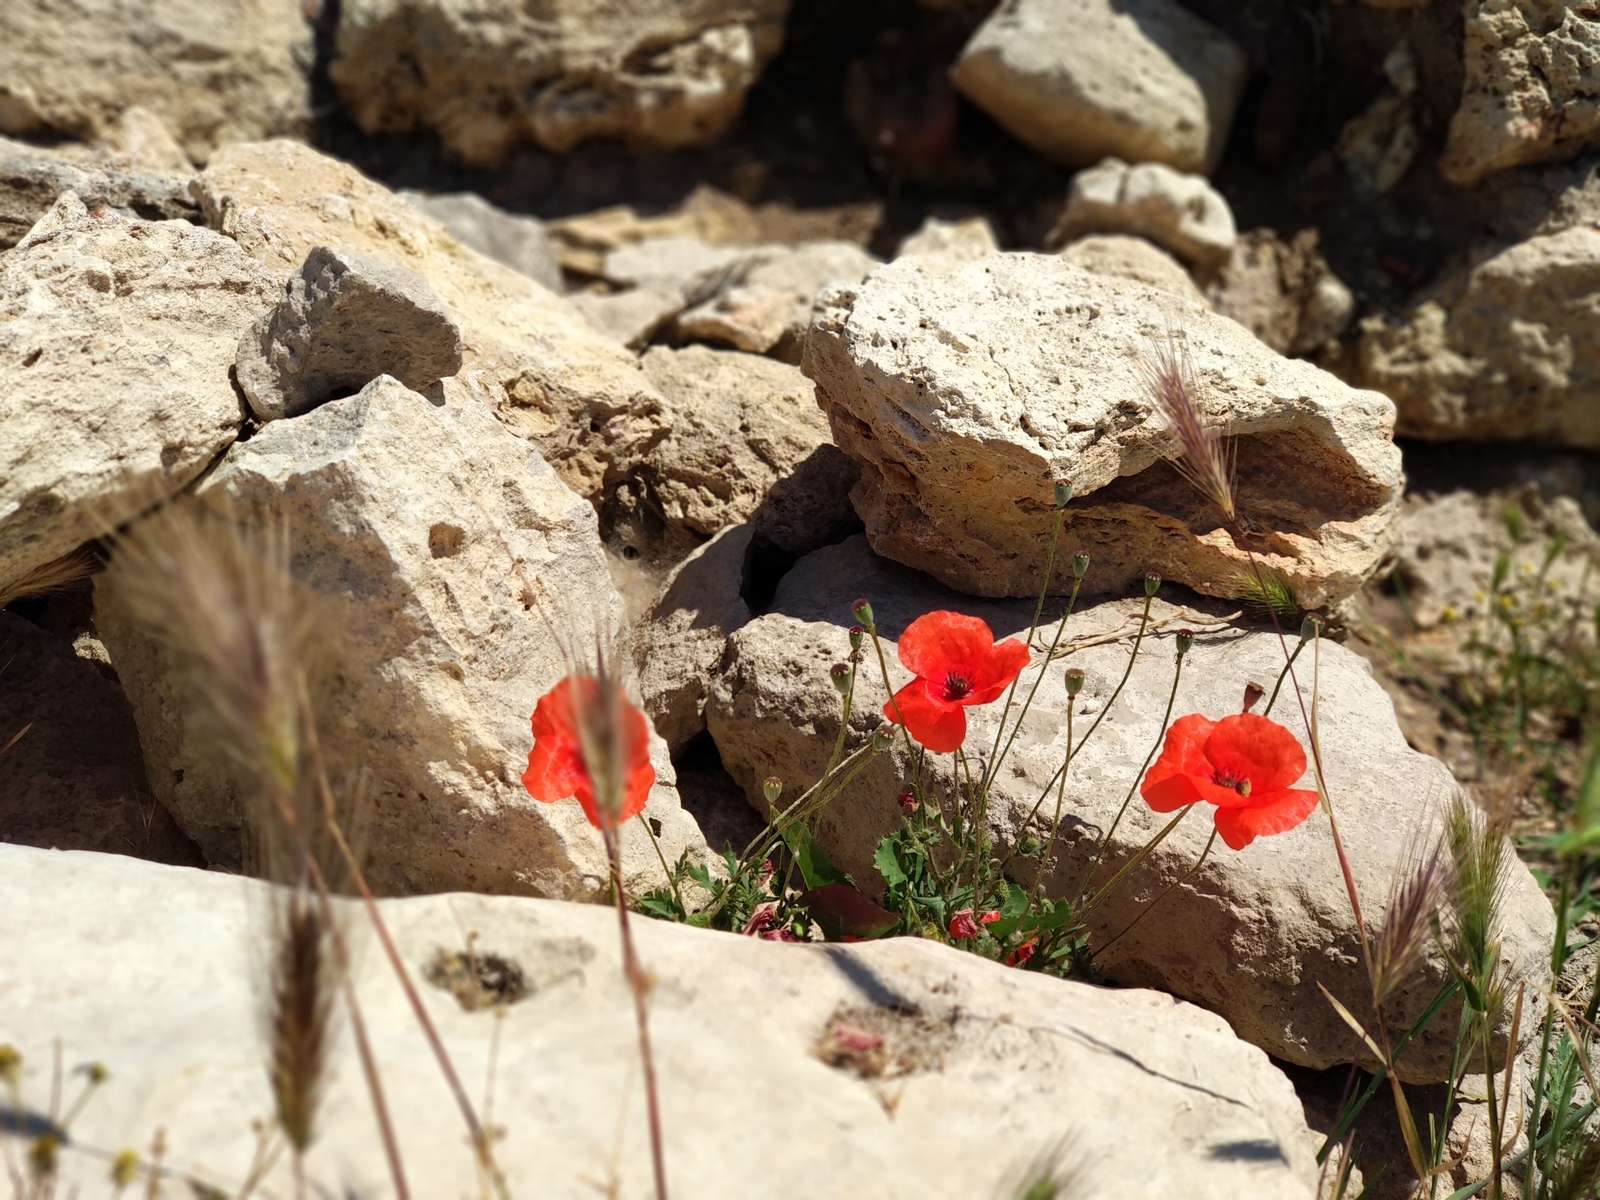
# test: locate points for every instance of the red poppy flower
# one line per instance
(956, 663)
(1022, 953)
(556, 768)
(1243, 764)
(964, 925)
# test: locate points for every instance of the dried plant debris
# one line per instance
(881, 1042)
(477, 981)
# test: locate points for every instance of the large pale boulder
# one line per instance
(1144, 80)
(1503, 349)
(1532, 70)
(1128, 257)
(576, 394)
(487, 76)
(116, 340)
(966, 392)
(214, 71)
(1178, 212)
(1253, 932)
(984, 1078)
(448, 557)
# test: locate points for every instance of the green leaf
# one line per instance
(888, 863)
(1011, 910)
(815, 866)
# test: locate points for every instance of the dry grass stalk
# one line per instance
(1416, 893)
(1203, 458)
(50, 577)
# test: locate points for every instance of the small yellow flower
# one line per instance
(1448, 613)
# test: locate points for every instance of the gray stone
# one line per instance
(1180, 213)
(520, 242)
(30, 183)
(988, 1070)
(347, 319)
(1253, 933)
(632, 317)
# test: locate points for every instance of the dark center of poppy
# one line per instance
(1242, 786)
(956, 686)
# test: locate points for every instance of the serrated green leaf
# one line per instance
(888, 863)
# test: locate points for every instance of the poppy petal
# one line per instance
(1175, 778)
(943, 643)
(939, 726)
(1005, 662)
(1245, 746)
(1169, 793)
(1280, 812)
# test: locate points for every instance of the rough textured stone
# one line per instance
(1253, 932)
(30, 184)
(347, 319)
(574, 393)
(632, 317)
(1532, 74)
(74, 779)
(214, 71)
(966, 393)
(116, 339)
(1284, 293)
(769, 310)
(1500, 349)
(1178, 212)
(443, 549)
(695, 269)
(969, 238)
(1127, 257)
(1145, 80)
(989, 1070)
(518, 241)
(488, 75)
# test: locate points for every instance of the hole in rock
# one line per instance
(445, 540)
(765, 565)
(710, 795)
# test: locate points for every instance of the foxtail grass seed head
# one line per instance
(772, 788)
(1074, 678)
(857, 633)
(1253, 692)
(1174, 391)
(1063, 494)
(840, 674)
(1476, 844)
(1185, 639)
(883, 736)
(1080, 565)
(862, 611)
(302, 986)
(1152, 582)
(1418, 889)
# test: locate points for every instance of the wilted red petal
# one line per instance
(939, 726)
(1004, 663)
(942, 643)
(1245, 746)
(1022, 953)
(1279, 812)
(962, 925)
(1172, 782)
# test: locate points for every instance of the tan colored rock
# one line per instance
(1252, 933)
(969, 238)
(1180, 213)
(214, 71)
(1502, 349)
(518, 241)
(1284, 293)
(576, 394)
(631, 317)
(116, 341)
(487, 76)
(1144, 80)
(987, 1066)
(1124, 256)
(442, 549)
(32, 181)
(1532, 69)
(967, 393)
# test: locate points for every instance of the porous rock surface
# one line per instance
(346, 319)
(1283, 292)
(1180, 213)
(1144, 80)
(214, 71)
(980, 1074)
(489, 75)
(444, 551)
(1532, 77)
(967, 391)
(576, 394)
(1128, 257)
(1500, 349)
(31, 182)
(518, 241)
(1252, 933)
(116, 340)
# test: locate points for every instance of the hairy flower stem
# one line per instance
(1167, 891)
(1127, 868)
(1055, 823)
(1282, 675)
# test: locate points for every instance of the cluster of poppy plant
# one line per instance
(1242, 765)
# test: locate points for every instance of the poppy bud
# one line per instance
(856, 634)
(1063, 494)
(840, 674)
(1152, 581)
(862, 612)
(1080, 565)
(1185, 640)
(1309, 628)
(907, 800)
(772, 788)
(883, 736)
(1074, 680)
(1253, 692)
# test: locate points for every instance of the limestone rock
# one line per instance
(441, 547)
(347, 319)
(1144, 80)
(1253, 932)
(768, 311)
(631, 317)
(577, 395)
(689, 266)
(1532, 70)
(1180, 213)
(969, 238)
(487, 76)
(1127, 257)
(214, 71)
(116, 339)
(518, 241)
(74, 779)
(966, 393)
(1502, 349)
(30, 184)
(986, 1067)
(1284, 293)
